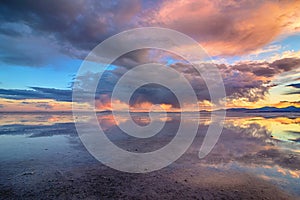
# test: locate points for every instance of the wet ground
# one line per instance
(256, 157)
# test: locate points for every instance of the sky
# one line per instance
(255, 45)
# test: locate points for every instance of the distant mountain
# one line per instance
(265, 109)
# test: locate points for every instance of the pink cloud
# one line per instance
(231, 27)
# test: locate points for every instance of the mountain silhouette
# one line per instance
(266, 109)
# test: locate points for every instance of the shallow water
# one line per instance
(266, 146)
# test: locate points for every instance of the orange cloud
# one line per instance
(283, 104)
(30, 105)
(230, 28)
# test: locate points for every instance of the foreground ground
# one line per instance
(248, 162)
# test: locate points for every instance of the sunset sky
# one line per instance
(255, 44)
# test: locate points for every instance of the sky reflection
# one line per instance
(267, 147)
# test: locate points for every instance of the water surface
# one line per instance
(36, 146)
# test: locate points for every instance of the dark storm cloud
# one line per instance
(83, 23)
(76, 26)
(248, 80)
(155, 94)
(72, 28)
(243, 80)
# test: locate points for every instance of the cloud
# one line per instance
(58, 94)
(286, 64)
(229, 28)
(283, 104)
(294, 88)
(37, 93)
(154, 94)
(35, 33)
(296, 102)
(46, 106)
(252, 80)
(76, 26)
(295, 85)
(249, 81)
(292, 92)
(83, 23)
(31, 51)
